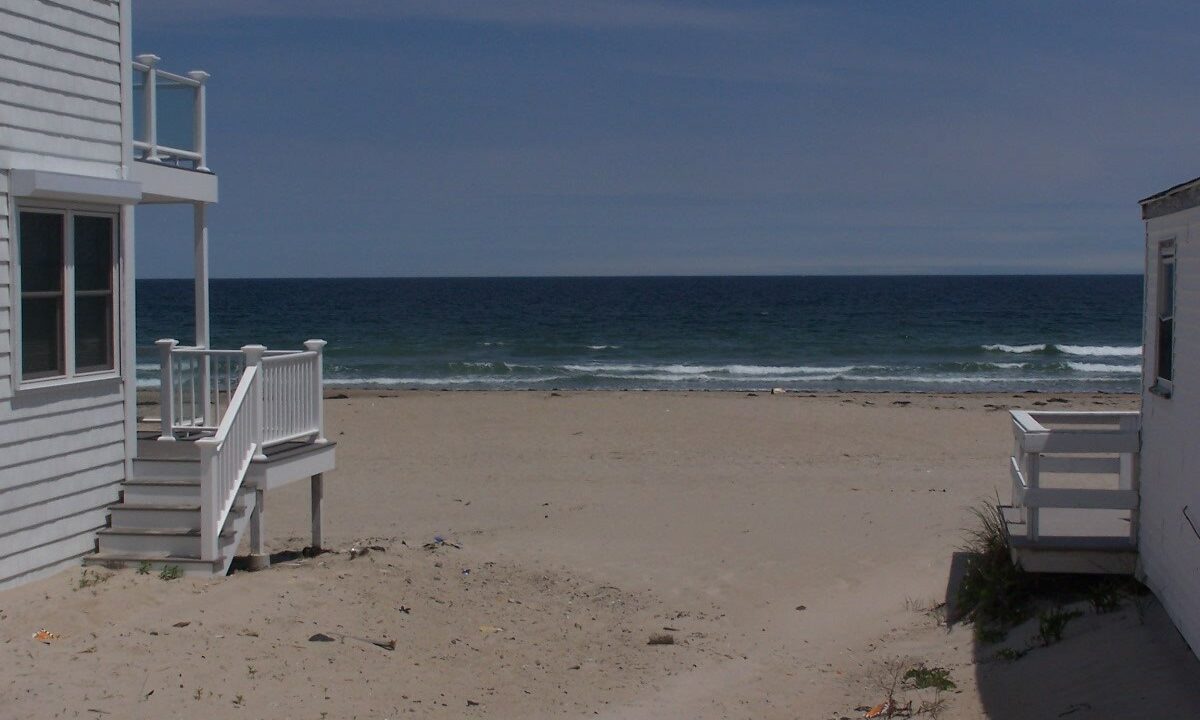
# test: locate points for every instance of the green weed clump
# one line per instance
(922, 678)
(1052, 623)
(995, 592)
(170, 572)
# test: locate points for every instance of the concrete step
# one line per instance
(154, 562)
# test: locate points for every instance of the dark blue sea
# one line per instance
(681, 333)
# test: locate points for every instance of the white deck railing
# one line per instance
(172, 115)
(1090, 443)
(225, 457)
(197, 387)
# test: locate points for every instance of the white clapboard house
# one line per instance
(88, 132)
(1067, 513)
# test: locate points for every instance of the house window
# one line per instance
(67, 281)
(1165, 312)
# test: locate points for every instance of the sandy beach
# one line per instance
(791, 546)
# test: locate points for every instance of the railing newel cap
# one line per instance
(199, 76)
(148, 59)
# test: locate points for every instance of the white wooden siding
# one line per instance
(60, 86)
(62, 456)
(1169, 547)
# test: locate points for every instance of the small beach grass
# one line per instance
(995, 592)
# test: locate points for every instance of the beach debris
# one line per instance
(331, 636)
(472, 703)
(661, 639)
(670, 629)
(883, 709)
(439, 541)
(902, 402)
(801, 608)
(490, 629)
(778, 391)
(182, 623)
(404, 609)
(356, 552)
(45, 636)
(751, 394)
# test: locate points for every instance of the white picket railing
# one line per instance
(1092, 443)
(225, 457)
(196, 387)
(291, 409)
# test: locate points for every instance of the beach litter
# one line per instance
(661, 639)
(439, 541)
(490, 629)
(331, 636)
(45, 636)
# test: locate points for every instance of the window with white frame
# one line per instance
(1164, 357)
(66, 279)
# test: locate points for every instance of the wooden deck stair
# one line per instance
(157, 521)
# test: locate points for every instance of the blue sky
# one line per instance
(625, 137)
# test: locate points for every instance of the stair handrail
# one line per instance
(225, 458)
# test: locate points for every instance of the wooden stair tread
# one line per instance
(155, 506)
(164, 532)
(103, 557)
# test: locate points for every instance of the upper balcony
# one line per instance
(170, 134)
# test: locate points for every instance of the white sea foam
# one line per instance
(603, 347)
(1101, 350)
(1104, 368)
(685, 371)
(1020, 349)
(435, 381)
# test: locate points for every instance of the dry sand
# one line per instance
(791, 545)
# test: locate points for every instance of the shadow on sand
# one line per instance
(1128, 663)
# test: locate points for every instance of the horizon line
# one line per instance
(657, 276)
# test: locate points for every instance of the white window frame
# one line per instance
(70, 375)
(1165, 254)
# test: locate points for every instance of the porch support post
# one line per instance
(259, 559)
(254, 356)
(318, 502)
(166, 390)
(200, 248)
(1129, 479)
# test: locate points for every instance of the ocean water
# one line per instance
(927, 333)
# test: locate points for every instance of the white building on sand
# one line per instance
(88, 132)
(1066, 514)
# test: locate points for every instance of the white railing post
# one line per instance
(318, 346)
(1032, 471)
(199, 126)
(254, 357)
(1129, 472)
(166, 389)
(210, 531)
(150, 103)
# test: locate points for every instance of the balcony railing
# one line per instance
(1091, 447)
(197, 387)
(169, 124)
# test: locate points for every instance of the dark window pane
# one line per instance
(93, 253)
(41, 238)
(93, 333)
(1168, 297)
(41, 337)
(1166, 347)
